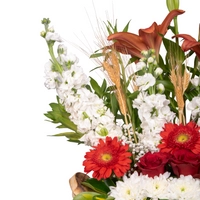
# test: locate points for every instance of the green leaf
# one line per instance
(173, 50)
(59, 115)
(97, 186)
(110, 182)
(133, 95)
(71, 135)
(86, 196)
(101, 197)
(104, 86)
(126, 27)
(114, 104)
(96, 87)
(167, 84)
(110, 198)
(96, 55)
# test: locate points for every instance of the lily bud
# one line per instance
(172, 4)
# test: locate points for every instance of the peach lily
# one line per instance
(149, 38)
(190, 43)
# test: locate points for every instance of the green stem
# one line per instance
(176, 28)
(55, 62)
(125, 88)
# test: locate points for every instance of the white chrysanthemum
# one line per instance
(129, 189)
(157, 187)
(185, 188)
(145, 81)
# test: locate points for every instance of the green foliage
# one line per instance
(173, 50)
(87, 196)
(107, 94)
(97, 186)
(58, 115)
(92, 196)
(72, 136)
(111, 29)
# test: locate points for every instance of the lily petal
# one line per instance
(149, 38)
(190, 43)
(153, 35)
(128, 43)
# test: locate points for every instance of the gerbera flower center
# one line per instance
(106, 157)
(182, 137)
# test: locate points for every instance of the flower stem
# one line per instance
(54, 60)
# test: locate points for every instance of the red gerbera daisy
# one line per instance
(180, 137)
(106, 158)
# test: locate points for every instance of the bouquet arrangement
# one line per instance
(142, 122)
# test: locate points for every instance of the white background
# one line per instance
(34, 166)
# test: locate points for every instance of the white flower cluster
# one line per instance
(153, 112)
(86, 109)
(194, 104)
(153, 106)
(194, 107)
(139, 187)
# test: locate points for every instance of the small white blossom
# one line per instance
(145, 81)
(53, 79)
(150, 60)
(160, 87)
(194, 107)
(195, 81)
(158, 71)
(53, 36)
(62, 49)
(140, 65)
(51, 29)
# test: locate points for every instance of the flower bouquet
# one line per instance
(142, 122)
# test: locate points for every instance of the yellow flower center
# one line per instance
(183, 137)
(128, 192)
(106, 157)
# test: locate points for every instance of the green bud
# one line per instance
(46, 21)
(172, 4)
(43, 34)
(85, 115)
(103, 131)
